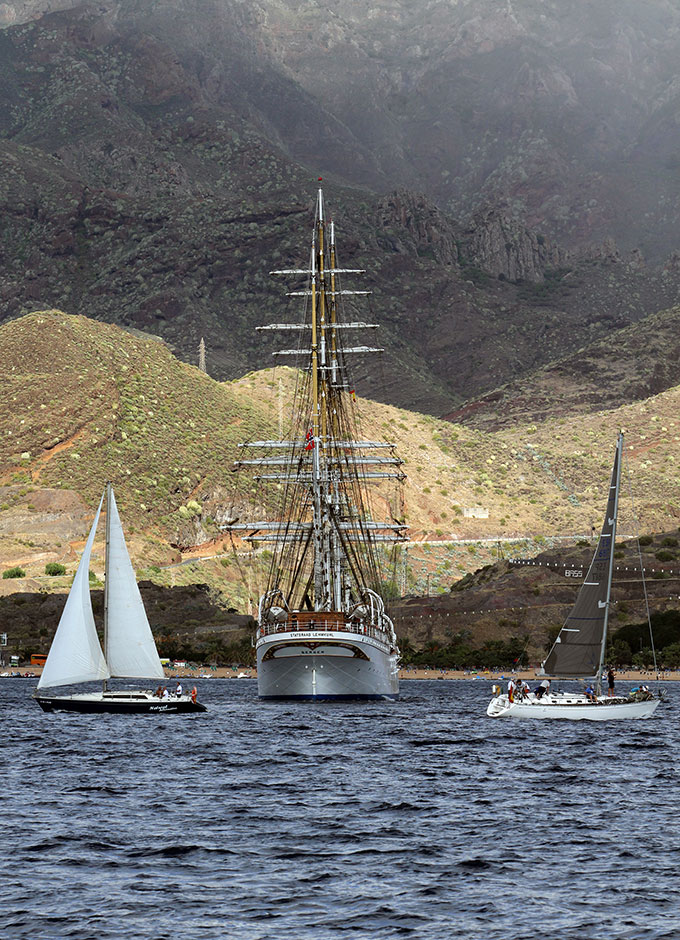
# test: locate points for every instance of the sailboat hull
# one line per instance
(336, 666)
(117, 703)
(574, 707)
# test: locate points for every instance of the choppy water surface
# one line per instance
(421, 818)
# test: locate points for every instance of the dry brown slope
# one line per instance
(83, 402)
(634, 363)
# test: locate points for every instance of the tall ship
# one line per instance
(323, 631)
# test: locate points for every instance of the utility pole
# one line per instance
(280, 409)
(201, 356)
(404, 571)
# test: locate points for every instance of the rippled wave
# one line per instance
(421, 818)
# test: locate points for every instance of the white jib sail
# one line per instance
(75, 654)
(130, 647)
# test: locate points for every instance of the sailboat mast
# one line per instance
(106, 578)
(610, 573)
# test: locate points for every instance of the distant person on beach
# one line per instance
(610, 679)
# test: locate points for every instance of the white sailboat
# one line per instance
(579, 650)
(323, 631)
(76, 655)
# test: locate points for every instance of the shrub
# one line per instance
(15, 572)
(53, 568)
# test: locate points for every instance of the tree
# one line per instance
(670, 656)
(644, 659)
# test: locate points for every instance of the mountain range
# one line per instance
(506, 173)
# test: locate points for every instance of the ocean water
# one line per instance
(420, 818)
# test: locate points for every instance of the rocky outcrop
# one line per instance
(505, 248)
(411, 222)
(23, 11)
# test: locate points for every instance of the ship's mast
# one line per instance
(325, 555)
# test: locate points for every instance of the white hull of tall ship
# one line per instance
(571, 706)
(329, 665)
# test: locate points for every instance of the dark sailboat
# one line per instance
(579, 650)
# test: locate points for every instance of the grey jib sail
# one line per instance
(577, 650)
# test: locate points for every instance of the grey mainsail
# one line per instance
(578, 651)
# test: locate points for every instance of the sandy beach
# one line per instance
(408, 672)
(231, 672)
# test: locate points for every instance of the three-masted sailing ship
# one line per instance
(323, 631)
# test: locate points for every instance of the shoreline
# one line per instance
(191, 673)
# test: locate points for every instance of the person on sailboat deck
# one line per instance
(166, 694)
(590, 694)
(542, 688)
(611, 679)
(178, 690)
(511, 690)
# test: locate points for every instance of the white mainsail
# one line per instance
(130, 647)
(75, 654)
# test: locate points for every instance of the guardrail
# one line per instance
(324, 626)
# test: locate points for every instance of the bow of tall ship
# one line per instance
(322, 628)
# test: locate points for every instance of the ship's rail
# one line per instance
(324, 626)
